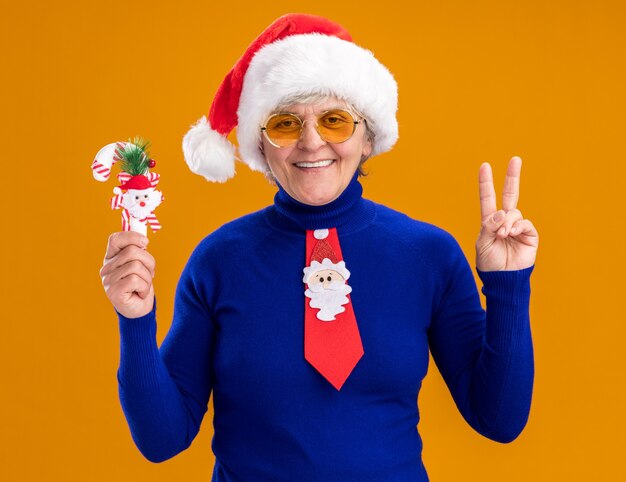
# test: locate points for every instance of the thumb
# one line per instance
(493, 222)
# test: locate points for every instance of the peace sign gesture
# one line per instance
(506, 241)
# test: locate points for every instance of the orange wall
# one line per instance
(479, 81)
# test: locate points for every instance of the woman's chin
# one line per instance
(316, 197)
(318, 186)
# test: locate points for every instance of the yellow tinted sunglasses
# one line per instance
(284, 129)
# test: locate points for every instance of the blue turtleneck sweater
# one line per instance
(238, 332)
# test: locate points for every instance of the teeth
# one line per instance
(315, 164)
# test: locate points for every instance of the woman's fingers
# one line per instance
(135, 297)
(127, 274)
(501, 224)
(511, 217)
(129, 253)
(125, 288)
(486, 191)
(510, 193)
(118, 241)
(133, 267)
(493, 223)
(525, 231)
(507, 241)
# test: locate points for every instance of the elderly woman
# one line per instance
(311, 321)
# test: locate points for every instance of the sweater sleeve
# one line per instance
(164, 392)
(486, 359)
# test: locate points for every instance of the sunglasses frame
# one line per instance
(302, 122)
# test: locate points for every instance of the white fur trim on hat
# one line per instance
(208, 153)
(315, 63)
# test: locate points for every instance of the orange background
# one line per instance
(479, 81)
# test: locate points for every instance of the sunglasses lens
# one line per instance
(336, 126)
(333, 126)
(283, 129)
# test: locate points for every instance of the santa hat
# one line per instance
(296, 55)
(139, 182)
(324, 257)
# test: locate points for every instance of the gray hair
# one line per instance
(315, 98)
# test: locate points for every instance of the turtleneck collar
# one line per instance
(348, 212)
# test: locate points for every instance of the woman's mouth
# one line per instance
(324, 163)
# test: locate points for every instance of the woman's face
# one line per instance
(323, 182)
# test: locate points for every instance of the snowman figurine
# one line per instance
(136, 195)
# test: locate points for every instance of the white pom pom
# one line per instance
(208, 153)
(117, 190)
(320, 233)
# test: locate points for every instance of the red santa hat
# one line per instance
(323, 249)
(324, 257)
(139, 182)
(297, 54)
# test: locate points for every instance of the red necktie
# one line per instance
(332, 343)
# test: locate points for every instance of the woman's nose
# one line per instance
(310, 139)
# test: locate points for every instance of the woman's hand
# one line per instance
(127, 274)
(506, 241)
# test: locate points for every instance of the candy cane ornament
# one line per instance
(105, 159)
(136, 195)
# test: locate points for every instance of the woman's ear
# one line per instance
(367, 149)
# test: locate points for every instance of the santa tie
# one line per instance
(332, 343)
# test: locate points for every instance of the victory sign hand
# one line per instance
(506, 241)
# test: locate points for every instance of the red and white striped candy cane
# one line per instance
(105, 159)
(125, 220)
(116, 201)
(123, 177)
(153, 177)
(153, 222)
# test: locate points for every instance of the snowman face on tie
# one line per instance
(325, 279)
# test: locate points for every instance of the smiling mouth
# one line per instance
(315, 164)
